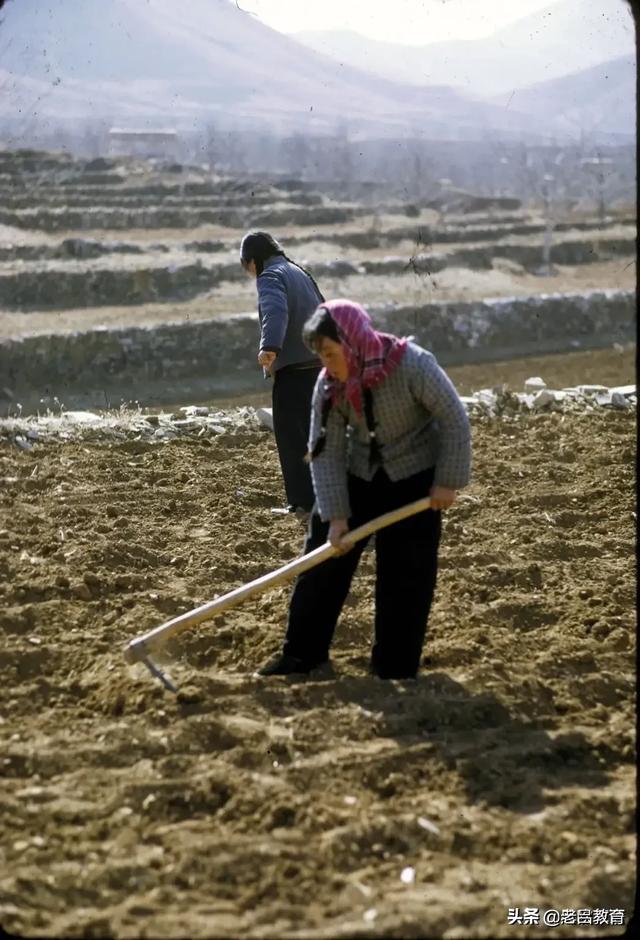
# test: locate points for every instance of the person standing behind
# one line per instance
(287, 296)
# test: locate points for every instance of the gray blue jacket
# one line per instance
(286, 300)
(419, 420)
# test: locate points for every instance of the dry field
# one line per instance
(310, 245)
(452, 284)
(503, 777)
(336, 806)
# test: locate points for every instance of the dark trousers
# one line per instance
(291, 400)
(406, 571)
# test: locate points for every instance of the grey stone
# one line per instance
(186, 424)
(82, 592)
(543, 399)
(620, 401)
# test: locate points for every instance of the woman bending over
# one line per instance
(387, 428)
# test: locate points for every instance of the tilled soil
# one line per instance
(503, 777)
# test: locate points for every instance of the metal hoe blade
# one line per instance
(158, 673)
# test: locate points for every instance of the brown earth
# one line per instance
(505, 776)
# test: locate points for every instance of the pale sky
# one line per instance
(416, 22)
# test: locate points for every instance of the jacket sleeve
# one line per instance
(329, 468)
(435, 390)
(274, 315)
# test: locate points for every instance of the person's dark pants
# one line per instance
(291, 400)
(406, 571)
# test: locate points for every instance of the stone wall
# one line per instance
(64, 218)
(51, 287)
(44, 285)
(173, 362)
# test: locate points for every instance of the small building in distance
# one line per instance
(160, 143)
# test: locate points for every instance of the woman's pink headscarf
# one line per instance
(371, 356)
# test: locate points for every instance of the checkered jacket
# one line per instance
(419, 420)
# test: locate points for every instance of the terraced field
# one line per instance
(122, 246)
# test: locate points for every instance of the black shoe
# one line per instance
(285, 665)
(382, 672)
(399, 676)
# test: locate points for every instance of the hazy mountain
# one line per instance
(599, 100)
(565, 37)
(157, 61)
(139, 60)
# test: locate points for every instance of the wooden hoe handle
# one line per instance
(145, 644)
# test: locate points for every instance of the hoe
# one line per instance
(140, 649)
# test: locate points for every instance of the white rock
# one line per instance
(265, 417)
(408, 875)
(626, 390)
(534, 384)
(425, 823)
(592, 389)
(82, 417)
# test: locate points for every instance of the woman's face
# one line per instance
(333, 358)
(250, 268)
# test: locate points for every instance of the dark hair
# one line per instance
(258, 246)
(320, 324)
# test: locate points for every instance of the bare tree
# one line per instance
(296, 153)
(598, 171)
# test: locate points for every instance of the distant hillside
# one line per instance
(134, 61)
(565, 37)
(140, 62)
(599, 100)
(137, 62)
